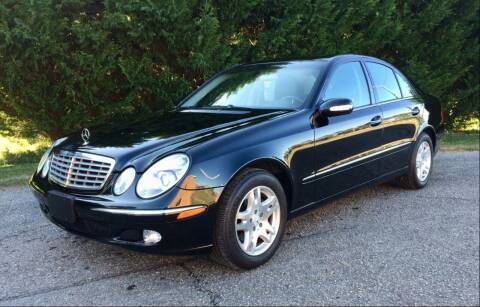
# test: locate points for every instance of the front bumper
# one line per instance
(123, 223)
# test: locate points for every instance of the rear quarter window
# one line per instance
(385, 85)
(407, 90)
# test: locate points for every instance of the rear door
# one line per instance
(401, 111)
(346, 145)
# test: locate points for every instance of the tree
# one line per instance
(71, 63)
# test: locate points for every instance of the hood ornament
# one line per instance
(85, 136)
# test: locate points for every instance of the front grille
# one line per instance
(80, 170)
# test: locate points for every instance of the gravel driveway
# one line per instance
(379, 246)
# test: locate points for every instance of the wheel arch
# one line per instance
(278, 169)
(433, 135)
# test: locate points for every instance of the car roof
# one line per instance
(336, 58)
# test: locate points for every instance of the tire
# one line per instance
(412, 180)
(238, 201)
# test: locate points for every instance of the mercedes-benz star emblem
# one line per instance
(85, 136)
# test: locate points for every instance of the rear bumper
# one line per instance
(123, 225)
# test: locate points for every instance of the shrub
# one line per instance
(70, 63)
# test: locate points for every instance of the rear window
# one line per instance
(385, 84)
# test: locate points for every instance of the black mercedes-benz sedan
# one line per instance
(254, 146)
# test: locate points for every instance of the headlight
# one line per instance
(43, 159)
(162, 175)
(46, 167)
(44, 164)
(124, 181)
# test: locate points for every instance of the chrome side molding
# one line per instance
(335, 167)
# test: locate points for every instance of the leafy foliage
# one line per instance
(71, 63)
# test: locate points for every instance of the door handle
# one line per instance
(415, 111)
(377, 120)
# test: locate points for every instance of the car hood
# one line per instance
(129, 140)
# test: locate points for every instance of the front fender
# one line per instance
(287, 142)
(218, 171)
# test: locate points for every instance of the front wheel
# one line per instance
(250, 221)
(421, 164)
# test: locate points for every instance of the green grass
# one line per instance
(20, 151)
(17, 149)
(19, 143)
(15, 175)
(460, 141)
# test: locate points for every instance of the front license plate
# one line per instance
(60, 207)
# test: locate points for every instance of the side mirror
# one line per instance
(336, 106)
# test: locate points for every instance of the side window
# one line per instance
(385, 85)
(348, 81)
(407, 89)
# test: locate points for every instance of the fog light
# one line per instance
(151, 237)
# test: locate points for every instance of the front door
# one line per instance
(346, 146)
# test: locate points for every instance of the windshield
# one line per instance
(263, 86)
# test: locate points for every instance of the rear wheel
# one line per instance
(421, 164)
(250, 221)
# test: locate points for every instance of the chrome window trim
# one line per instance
(355, 161)
(385, 102)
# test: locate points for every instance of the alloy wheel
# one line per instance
(257, 221)
(423, 161)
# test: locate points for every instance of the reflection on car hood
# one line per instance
(127, 140)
